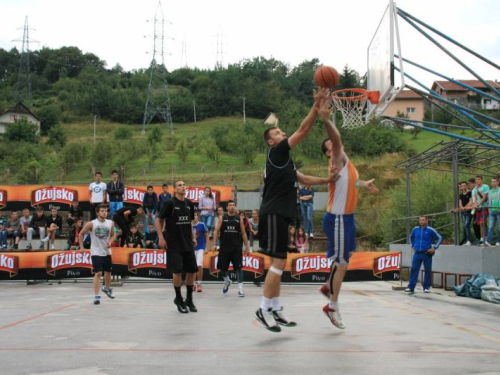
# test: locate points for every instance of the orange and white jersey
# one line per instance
(343, 194)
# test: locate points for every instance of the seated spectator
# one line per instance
(134, 238)
(25, 222)
(3, 231)
(37, 226)
(14, 228)
(292, 238)
(118, 237)
(302, 241)
(75, 213)
(54, 227)
(254, 228)
(151, 238)
(150, 204)
(74, 232)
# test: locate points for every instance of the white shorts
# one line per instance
(199, 257)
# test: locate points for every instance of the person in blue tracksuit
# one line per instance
(422, 240)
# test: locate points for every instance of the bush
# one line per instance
(57, 137)
(49, 116)
(123, 133)
(182, 150)
(22, 131)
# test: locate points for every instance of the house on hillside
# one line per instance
(271, 119)
(15, 113)
(465, 97)
(409, 103)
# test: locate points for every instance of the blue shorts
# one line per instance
(340, 231)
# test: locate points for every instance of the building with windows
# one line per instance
(407, 103)
(15, 113)
(465, 97)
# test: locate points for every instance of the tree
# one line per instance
(57, 137)
(154, 136)
(123, 133)
(49, 116)
(182, 150)
(22, 131)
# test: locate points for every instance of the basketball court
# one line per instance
(55, 329)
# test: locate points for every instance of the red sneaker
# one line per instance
(325, 291)
(334, 316)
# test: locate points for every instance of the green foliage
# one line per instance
(22, 131)
(101, 152)
(49, 116)
(182, 150)
(123, 133)
(154, 136)
(415, 131)
(57, 137)
(72, 155)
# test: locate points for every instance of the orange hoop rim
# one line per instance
(372, 96)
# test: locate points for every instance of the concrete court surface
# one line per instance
(55, 329)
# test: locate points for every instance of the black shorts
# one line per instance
(181, 261)
(227, 257)
(273, 235)
(101, 263)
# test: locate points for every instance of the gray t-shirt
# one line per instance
(25, 220)
(14, 224)
(99, 237)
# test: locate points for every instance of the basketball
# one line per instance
(326, 77)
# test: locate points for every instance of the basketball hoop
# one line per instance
(351, 103)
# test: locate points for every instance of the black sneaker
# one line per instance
(181, 306)
(16, 246)
(191, 306)
(266, 318)
(97, 300)
(282, 320)
(108, 292)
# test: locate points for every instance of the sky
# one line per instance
(336, 32)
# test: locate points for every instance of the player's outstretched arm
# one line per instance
(307, 124)
(369, 185)
(313, 180)
(86, 228)
(331, 130)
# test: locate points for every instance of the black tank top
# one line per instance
(280, 182)
(230, 233)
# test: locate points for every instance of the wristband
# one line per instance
(357, 184)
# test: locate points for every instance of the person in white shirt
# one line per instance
(97, 194)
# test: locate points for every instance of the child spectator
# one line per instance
(207, 207)
(3, 231)
(163, 197)
(97, 194)
(74, 232)
(54, 227)
(14, 228)
(150, 204)
(292, 240)
(37, 226)
(302, 241)
(75, 213)
(151, 237)
(202, 243)
(254, 228)
(25, 222)
(134, 238)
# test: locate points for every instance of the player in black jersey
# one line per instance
(232, 234)
(179, 240)
(278, 210)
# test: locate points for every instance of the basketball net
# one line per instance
(351, 103)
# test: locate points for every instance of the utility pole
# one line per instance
(244, 111)
(95, 119)
(23, 91)
(194, 109)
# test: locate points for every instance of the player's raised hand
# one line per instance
(325, 109)
(333, 174)
(320, 95)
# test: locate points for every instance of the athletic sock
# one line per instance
(240, 286)
(178, 294)
(189, 291)
(334, 306)
(276, 304)
(240, 275)
(266, 303)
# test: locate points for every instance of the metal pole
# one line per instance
(194, 109)
(244, 113)
(454, 157)
(408, 210)
(95, 118)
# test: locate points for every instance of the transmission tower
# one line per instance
(184, 59)
(158, 101)
(219, 63)
(23, 91)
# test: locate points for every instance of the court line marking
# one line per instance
(35, 317)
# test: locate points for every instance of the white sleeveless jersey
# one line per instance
(99, 237)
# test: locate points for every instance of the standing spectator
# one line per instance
(151, 238)
(246, 222)
(202, 243)
(97, 196)
(298, 220)
(421, 240)
(124, 218)
(14, 228)
(75, 213)
(465, 212)
(302, 241)
(25, 222)
(306, 197)
(207, 207)
(37, 226)
(3, 231)
(254, 228)
(494, 205)
(115, 190)
(292, 239)
(134, 238)
(150, 204)
(54, 226)
(475, 225)
(74, 232)
(163, 197)
(220, 215)
(480, 202)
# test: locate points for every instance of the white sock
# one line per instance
(334, 306)
(276, 304)
(240, 286)
(266, 303)
(226, 279)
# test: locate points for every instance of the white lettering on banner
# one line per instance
(312, 263)
(251, 262)
(389, 261)
(73, 273)
(154, 273)
(149, 258)
(1, 196)
(6, 262)
(134, 195)
(70, 259)
(54, 194)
